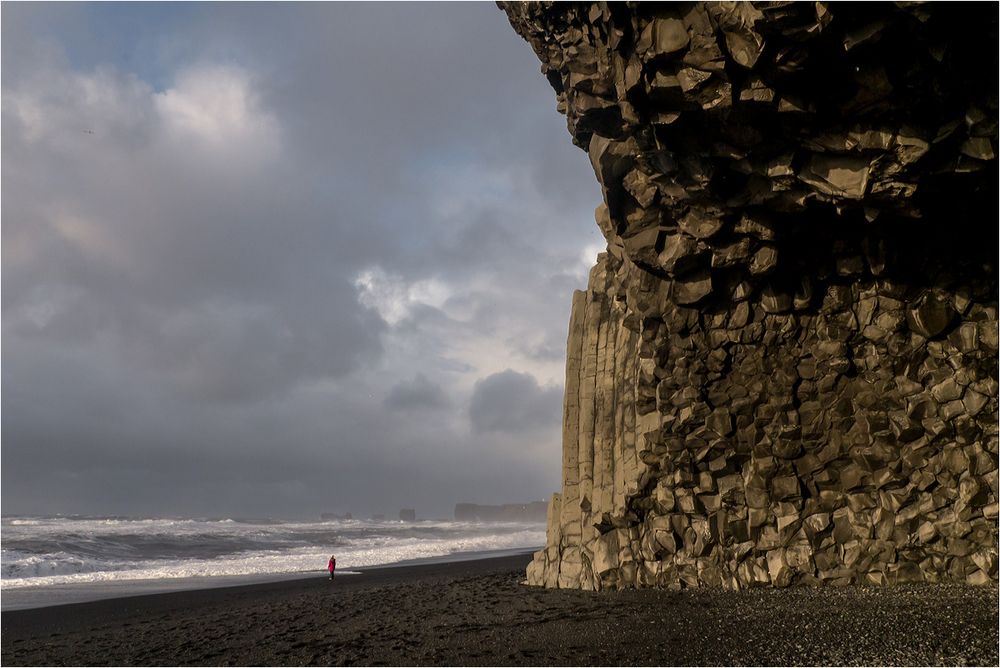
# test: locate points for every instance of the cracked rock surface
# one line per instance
(784, 368)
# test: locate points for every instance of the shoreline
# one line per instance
(30, 597)
(476, 612)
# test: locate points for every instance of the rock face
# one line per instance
(784, 369)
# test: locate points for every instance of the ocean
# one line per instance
(60, 559)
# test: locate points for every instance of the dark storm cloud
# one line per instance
(234, 235)
(513, 402)
(416, 394)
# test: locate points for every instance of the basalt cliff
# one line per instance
(784, 368)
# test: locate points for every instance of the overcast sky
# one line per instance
(283, 259)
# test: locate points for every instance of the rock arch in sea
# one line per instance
(784, 368)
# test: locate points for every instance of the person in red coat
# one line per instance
(332, 565)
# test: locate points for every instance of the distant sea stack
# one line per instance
(408, 515)
(508, 512)
(784, 368)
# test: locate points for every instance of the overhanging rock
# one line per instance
(784, 369)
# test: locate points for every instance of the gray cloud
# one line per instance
(227, 252)
(513, 402)
(417, 394)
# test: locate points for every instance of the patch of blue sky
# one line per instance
(151, 40)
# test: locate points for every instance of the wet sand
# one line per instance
(477, 613)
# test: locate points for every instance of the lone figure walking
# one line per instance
(332, 565)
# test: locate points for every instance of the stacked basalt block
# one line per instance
(784, 369)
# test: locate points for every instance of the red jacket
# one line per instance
(331, 565)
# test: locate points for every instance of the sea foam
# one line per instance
(53, 551)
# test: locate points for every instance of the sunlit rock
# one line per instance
(784, 369)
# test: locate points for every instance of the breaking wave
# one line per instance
(51, 551)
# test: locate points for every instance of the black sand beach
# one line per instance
(477, 613)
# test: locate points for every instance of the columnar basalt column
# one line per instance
(784, 369)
